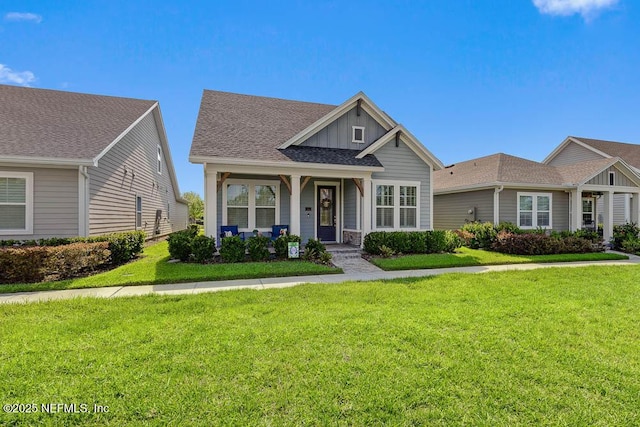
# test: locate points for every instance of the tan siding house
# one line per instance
(74, 165)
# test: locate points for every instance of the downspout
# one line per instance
(496, 204)
(83, 201)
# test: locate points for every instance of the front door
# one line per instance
(326, 220)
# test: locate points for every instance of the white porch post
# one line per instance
(211, 202)
(608, 216)
(576, 209)
(294, 206)
(635, 208)
(366, 207)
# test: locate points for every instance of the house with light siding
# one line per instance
(74, 164)
(329, 172)
(556, 195)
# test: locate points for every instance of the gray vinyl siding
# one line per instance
(573, 153)
(603, 178)
(285, 199)
(402, 164)
(451, 211)
(127, 170)
(620, 211)
(351, 193)
(338, 134)
(55, 203)
(559, 207)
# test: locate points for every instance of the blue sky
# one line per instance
(468, 78)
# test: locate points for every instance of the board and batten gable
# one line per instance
(620, 178)
(402, 164)
(338, 133)
(55, 202)
(559, 207)
(573, 153)
(451, 211)
(130, 169)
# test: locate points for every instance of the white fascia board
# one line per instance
(45, 161)
(566, 142)
(293, 169)
(411, 141)
(126, 131)
(506, 185)
(382, 118)
(166, 151)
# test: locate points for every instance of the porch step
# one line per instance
(344, 251)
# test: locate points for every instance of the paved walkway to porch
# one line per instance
(279, 282)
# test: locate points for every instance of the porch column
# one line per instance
(635, 208)
(294, 206)
(211, 202)
(366, 207)
(576, 210)
(608, 216)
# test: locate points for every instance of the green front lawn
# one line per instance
(153, 268)
(465, 257)
(545, 347)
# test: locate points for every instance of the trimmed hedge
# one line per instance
(232, 249)
(281, 244)
(180, 245)
(38, 263)
(411, 242)
(625, 236)
(541, 244)
(123, 246)
(258, 248)
(203, 248)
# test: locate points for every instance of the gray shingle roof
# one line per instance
(62, 125)
(231, 125)
(630, 153)
(503, 168)
(332, 156)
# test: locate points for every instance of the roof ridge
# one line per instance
(271, 98)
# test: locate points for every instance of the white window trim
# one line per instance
(159, 169)
(534, 211)
(612, 174)
(28, 177)
(396, 204)
(251, 183)
(353, 134)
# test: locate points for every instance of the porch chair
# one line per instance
(230, 230)
(276, 230)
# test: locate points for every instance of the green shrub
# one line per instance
(258, 248)
(417, 242)
(281, 244)
(386, 251)
(541, 244)
(325, 258)
(314, 249)
(232, 249)
(412, 242)
(123, 246)
(628, 231)
(509, 227)
(9, 243)
(22, 265)
(374, 240)
(483, 234)
(193, 230)
(67, 261)
(203, 248)
(631, 246)
(180, 245)
(55, 241)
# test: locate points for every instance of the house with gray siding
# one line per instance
(562, 196)
(75, 164)
(330, 172)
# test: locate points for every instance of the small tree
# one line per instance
(196, 205)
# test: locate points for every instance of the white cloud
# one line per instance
(20, 16)
(22, 78)
(586, 8)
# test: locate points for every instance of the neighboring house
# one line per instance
(576, 149)
(328, 172)
(75, 164)
(503, 188)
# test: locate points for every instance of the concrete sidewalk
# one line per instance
(278, 282)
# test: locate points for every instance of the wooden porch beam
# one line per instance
(305, 181)
(286, 182)
(222, 179)
(358, 184)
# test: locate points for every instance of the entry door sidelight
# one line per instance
(326, 220)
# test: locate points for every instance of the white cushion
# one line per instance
(228, 233)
